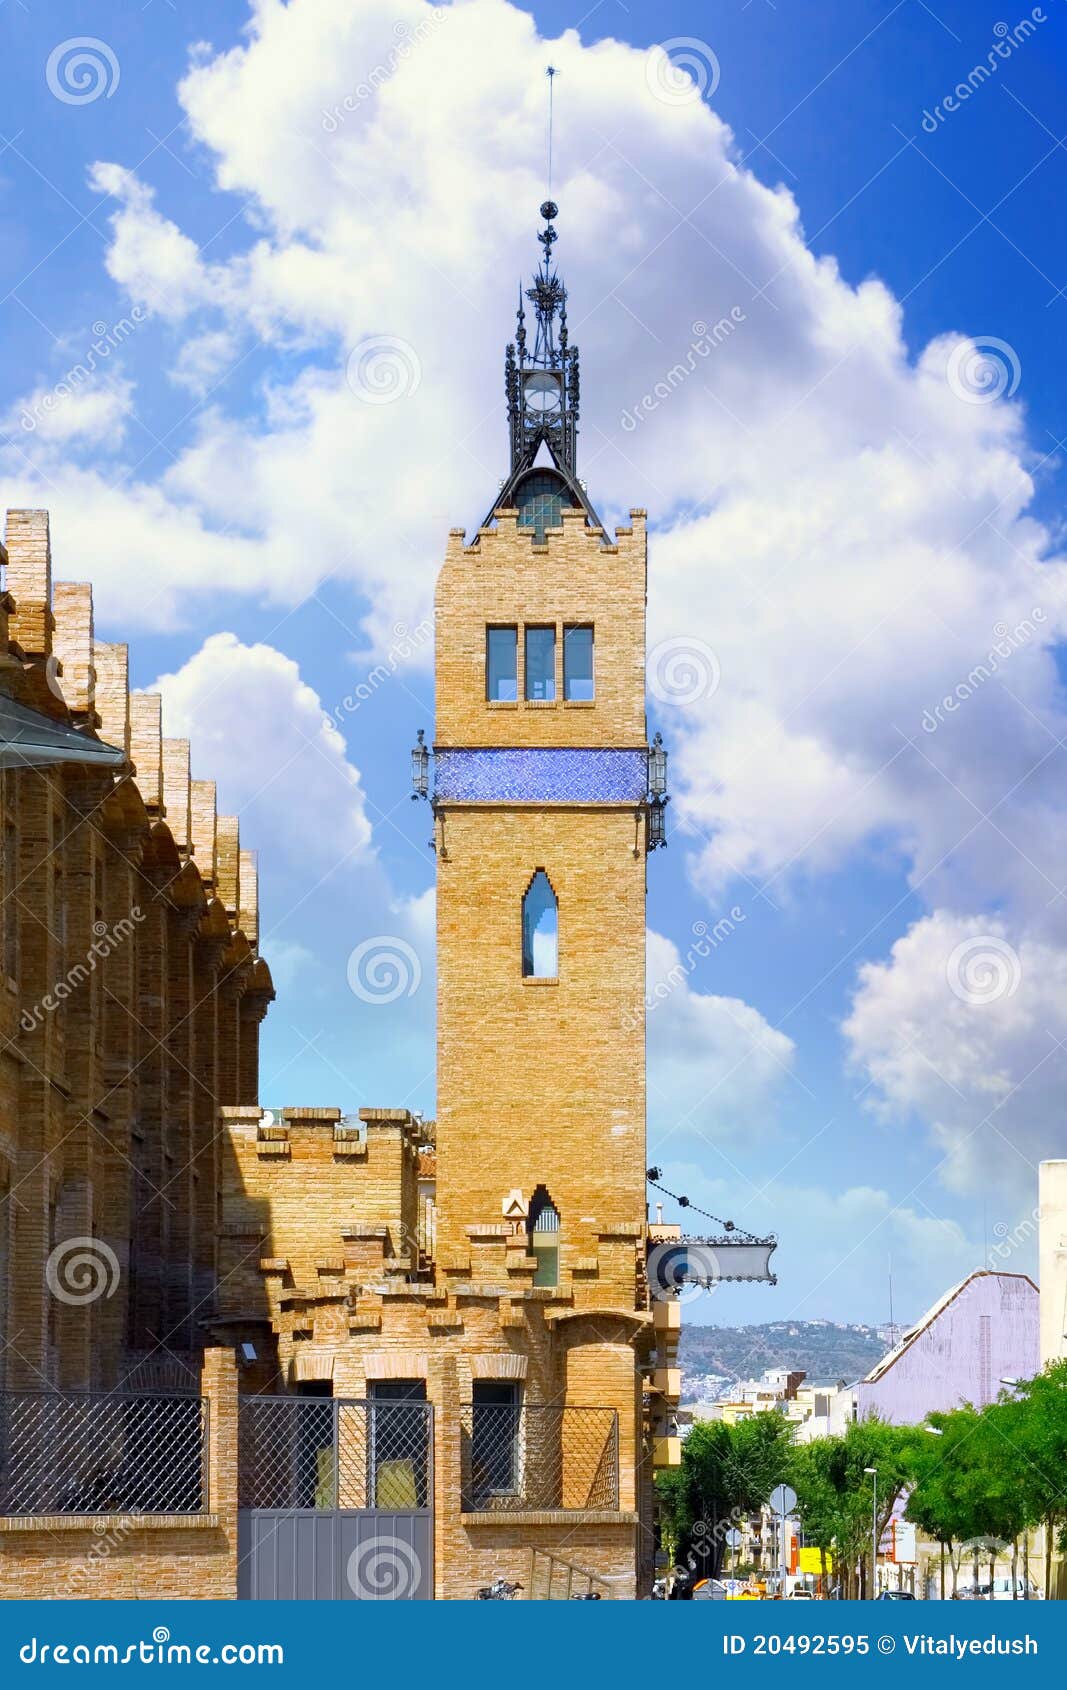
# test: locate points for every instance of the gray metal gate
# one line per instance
(335, 1500)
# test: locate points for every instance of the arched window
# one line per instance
(541, 498)
(544, 1237)
(540, 929)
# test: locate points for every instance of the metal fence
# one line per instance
(87, 1452)
(518, 1457)
(323, 1453)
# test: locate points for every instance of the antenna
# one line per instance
(551, 72)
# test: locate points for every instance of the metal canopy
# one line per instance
(710, 1262)
(30, 740)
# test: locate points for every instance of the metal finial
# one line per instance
(551, 72)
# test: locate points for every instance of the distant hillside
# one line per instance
(825, 1350)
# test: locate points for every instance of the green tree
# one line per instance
(835, 1494)
(727, 1474)
(1034, 1424)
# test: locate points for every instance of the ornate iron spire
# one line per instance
(542, 385)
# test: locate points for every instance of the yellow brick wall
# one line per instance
(122, 1557)
(542, 1083)
(507, 579)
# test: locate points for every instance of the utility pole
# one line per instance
(873, 1471)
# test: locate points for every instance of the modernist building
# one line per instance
(451, 1368)
(130, 1006)
(978, 1334)
(488, 1271)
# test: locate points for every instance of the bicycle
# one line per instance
(499, 1591)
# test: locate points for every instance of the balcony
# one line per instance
(533, 1459)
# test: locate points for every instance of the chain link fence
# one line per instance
(334, 1453)
(86, 1452)
(518, 1457)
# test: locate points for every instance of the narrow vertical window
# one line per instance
(501, 665)
(399, 1443)
(540, 663)
(544, 1238)
(496, 1419)
(540, 929)
(578, 664)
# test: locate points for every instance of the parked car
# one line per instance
(1000, 1591)
(801, 1595)
(896, 1596)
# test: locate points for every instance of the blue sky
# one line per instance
(845, 508)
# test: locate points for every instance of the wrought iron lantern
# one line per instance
(657, 768)
(657, 824)
(420, 767)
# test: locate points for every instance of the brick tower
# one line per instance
(491, 1268)
(542, 823)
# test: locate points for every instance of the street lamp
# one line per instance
(1013, 1385)
(873, 1472)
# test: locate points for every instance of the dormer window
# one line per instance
(541, 498)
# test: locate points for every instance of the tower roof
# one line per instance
(542, 385)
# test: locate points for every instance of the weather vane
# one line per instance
(551, 72)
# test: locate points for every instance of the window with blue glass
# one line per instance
(501, 665)
(542, 498)
(540, 663)
(578, 663)
(540, 929)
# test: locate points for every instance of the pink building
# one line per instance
(981, 1332)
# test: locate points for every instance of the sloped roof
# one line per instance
(908, 1338)
(30, 740)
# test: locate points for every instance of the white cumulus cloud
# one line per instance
(261, 733)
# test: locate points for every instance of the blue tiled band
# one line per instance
(541, 776)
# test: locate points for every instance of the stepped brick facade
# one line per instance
(130, 1009)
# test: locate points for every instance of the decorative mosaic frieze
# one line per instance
(538, 775)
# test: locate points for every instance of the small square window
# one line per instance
(501, 665)
(578, 664)
(540, 663)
